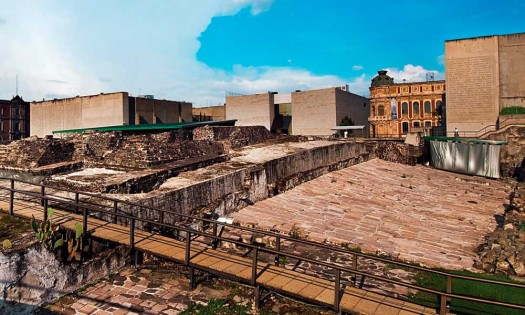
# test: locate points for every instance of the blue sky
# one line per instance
(195, 51)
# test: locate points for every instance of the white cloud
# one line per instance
(62, 50)
(441, 59)
(411, 73)
(357, 67)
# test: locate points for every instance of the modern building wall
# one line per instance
(215, 113)
(251, 110)
(79, 112)
(153, 111)
(103, 110)
(354, 106)
(314, 112)
(484, 75)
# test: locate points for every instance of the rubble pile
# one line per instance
(504, 249)
(512, 158)
(396, 152)
(35, 152)
(237, 137)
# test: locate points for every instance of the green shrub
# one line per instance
(513, 110)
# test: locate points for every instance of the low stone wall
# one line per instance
(32, 276)
(35, 152)
(227, 187)
(237, 137)
(512, 159)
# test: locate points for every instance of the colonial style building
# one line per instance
(399, 108)
(14, 119)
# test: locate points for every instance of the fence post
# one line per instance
(188, 245)
(215, 241)
(77, 200)
(254, 265)
(43, 193)
(337, 290)
(278, 248)
(354, 267)
(45, 209)
(84, 232)
(443, 305)
(449, 290)
(12, 198)
(132, 236)
(115, 209)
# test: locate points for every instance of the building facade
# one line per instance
(313, 113)
(113, 109)
(484, 75)
(399, 108)
(14, 119)
(209, 113)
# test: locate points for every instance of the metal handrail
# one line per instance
(86, 209)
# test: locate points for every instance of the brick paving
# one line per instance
(164, 290)
(414, 213)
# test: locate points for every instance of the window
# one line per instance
(415, 109)
(16, 127)
(373, 110)
(428, 124)
(428, 107)
(405, 127)
(404, 108)
(417, 124)
(381, 110)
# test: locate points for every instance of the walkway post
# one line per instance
(43, 193)
(337, 290)
(45, 209)
(115, 209)
(84, 232)
(12, 198)
(278, 248)
(254, 265)
(77, 199)
(188, 243)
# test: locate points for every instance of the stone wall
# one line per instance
(236, 137)
(33, 276)
(512, 158)
(35, 152)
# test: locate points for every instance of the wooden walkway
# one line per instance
(202, 257)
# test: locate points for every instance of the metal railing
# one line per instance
(509, 121)
(87, 208)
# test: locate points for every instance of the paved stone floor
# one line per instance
(414, 213)
(165, 290)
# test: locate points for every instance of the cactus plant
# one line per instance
(49, 235)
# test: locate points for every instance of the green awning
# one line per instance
(152, 127)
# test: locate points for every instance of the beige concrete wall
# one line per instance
(472, 76)
(354, 106)
(79, 112)
(314, 112)
(217, 113)
(512, 70)
(251, 110)
(153, 111)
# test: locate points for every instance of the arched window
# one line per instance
(428, 107)
(405, 127)
(428, 124)
(416, 124)
(404, 108)
(381, 110)
(415, 109)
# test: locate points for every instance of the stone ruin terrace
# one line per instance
(413, 213)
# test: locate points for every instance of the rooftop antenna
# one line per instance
(16, 84)
(430, 76)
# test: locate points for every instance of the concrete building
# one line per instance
(484, 75)
(14, 119)
(313, 112)
(210, 113)
(399, 108)
(113, 109)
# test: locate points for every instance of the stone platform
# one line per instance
(414, 213)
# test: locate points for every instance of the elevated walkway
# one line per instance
(198, 250)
